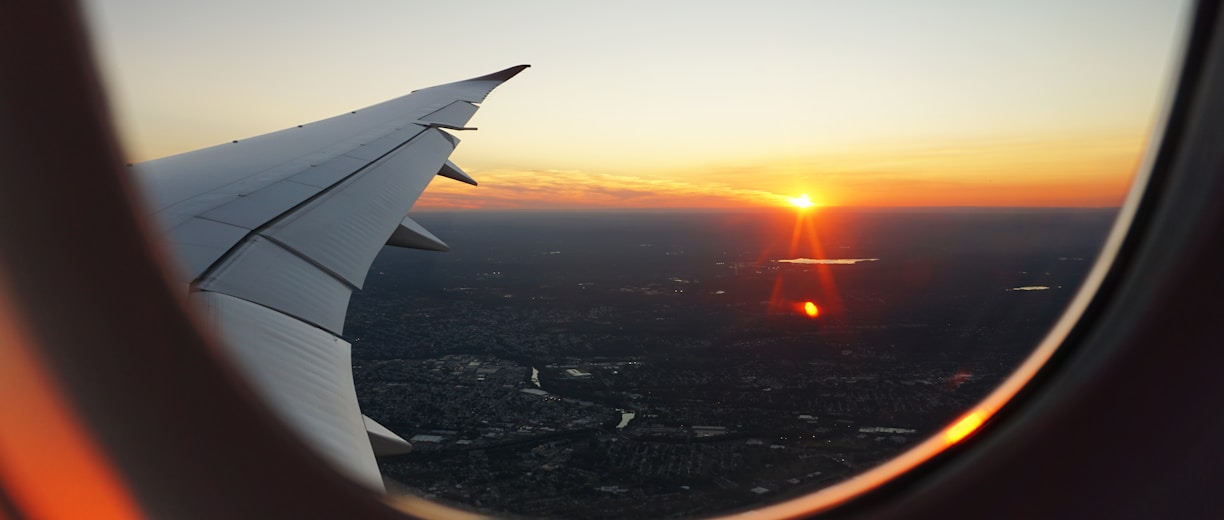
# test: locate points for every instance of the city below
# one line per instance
(675, 364)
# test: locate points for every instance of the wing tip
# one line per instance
(502, 75)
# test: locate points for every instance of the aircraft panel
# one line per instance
(304, 373)
(326, 173)
(200, 242)
(344, 229)
(252, 211)
(457, 114)
(268, 274)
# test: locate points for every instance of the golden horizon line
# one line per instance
(779, 208)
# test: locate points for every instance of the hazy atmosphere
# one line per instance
(682, 104)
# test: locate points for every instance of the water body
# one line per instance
(827, 261)
(626, 416)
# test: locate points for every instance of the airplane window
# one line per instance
(722, 255)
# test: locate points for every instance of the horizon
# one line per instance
(686, 104)
(763, 209)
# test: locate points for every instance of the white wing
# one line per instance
(275, 232)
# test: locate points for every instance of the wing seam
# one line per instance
(278, 311)
(259, 230)
(311, 261)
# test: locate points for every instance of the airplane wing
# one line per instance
(275, 232)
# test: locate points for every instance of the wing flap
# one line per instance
(305, 375)
(344, 229)
(200, 242)
(267, 273)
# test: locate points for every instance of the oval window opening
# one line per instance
(721, 258)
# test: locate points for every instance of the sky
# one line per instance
(697, 104)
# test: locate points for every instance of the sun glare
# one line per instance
(802, 201)
(965, 426)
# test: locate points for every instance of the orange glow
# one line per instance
(49, 466)
(802, 201)
(575, 189)
(804, 241)
(965, 426)
(1063, 171)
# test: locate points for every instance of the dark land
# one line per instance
(687, 320)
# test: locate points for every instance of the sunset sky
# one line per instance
(680, 104)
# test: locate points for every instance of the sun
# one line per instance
(802, 201)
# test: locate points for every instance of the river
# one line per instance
(626, 415)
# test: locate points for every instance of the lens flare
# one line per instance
(811, 310)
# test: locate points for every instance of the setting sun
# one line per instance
(802, 201)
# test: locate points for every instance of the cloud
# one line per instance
(568, 189)
(1069, 172)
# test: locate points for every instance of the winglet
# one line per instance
(501, 75)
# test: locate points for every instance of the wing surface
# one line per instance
(276, 231)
